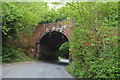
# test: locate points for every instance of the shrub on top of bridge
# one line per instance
(19, 16)
(94, 39)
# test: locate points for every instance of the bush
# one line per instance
(106, 66)
(94, 39)
(13, 55)
(64, 50)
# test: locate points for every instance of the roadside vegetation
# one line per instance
(20, 17)
(93, 42)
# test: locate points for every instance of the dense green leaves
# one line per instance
(24, 15)
(21, 17)
(94, 39)
(13, 55)
(17, 17)
(64, 50)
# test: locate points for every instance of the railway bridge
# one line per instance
(50, 37)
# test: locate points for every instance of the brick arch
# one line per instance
(54, 31)
(49, 44)
(63, 27)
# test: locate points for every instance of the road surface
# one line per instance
(35, 69)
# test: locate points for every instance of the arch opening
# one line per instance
(50, 43)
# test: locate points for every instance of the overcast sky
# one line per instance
(57, 6)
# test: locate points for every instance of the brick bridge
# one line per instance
(49, 37)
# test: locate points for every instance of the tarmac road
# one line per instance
(35, 69)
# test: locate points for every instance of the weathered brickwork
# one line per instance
(60, 26)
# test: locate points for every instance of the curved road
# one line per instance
(35, 69)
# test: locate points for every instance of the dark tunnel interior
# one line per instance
(50, 43)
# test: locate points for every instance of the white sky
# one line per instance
(57, 6)
(56, 0)
(52, 0)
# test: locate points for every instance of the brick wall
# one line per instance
(38, 31)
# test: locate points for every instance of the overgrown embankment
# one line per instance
(19, 21)
(94, 40)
